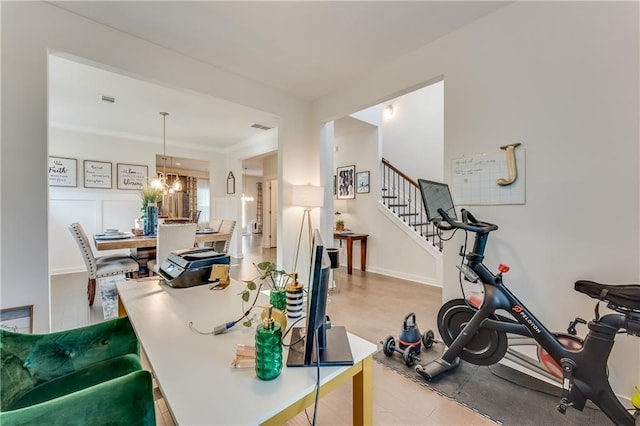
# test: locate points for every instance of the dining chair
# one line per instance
(195, 216)
(102, 266)
(172, 237)
(215, 225)
(227, 227)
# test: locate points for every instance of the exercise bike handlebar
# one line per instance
(469, 223)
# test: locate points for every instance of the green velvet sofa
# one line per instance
(89, 375)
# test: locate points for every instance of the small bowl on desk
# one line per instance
(137, 232)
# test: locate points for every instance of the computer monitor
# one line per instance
(436, 195)
(317, 343)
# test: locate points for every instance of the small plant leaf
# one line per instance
(251, 285)
(245, 295)
(247, 323)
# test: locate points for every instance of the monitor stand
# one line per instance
(337, 349)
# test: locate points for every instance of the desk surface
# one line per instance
(194, 371)
(148, 242)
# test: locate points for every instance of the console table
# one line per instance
(194, 371)
(350, 237)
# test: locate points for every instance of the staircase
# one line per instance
(401, 195)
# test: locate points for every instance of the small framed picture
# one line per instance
(132, 176)
(346, 182)
(63, 171)
(17, 320)
(362, 182)
(97, 174)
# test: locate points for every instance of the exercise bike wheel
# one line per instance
(485, 348)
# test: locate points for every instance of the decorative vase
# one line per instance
(268, 350)
(278, 299)
(151, 220)
(294, 300)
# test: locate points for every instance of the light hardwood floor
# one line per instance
(370, 305)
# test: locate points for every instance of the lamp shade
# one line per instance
(307, 196)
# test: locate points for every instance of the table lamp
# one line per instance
(307, 197)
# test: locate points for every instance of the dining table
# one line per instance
(143, 248)
(149, 241)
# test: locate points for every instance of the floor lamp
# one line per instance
(307, 197)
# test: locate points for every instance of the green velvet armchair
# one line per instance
(89, 375)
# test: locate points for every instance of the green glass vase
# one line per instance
(268, 350)
(278, 299)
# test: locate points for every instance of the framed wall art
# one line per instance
(362, 182)
(62, 171)
(132, 176)
(97, 174)
(17, 320)
(231, 183)
(346, 182)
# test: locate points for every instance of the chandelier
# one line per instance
(161, 182)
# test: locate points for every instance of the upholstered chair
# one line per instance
(102, 266)
(172, 237)
(89, 375)
(216, 224)
(227, 227)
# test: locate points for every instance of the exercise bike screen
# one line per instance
(436, 195)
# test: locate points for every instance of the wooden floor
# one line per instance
(370, 305)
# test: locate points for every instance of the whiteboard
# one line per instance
(474, 179)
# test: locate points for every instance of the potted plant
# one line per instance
(150, 197)
(339, 225)
(276, 279)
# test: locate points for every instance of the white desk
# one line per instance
(194, 372)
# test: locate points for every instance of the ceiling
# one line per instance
(306, 49)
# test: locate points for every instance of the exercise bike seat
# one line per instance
(622, 296)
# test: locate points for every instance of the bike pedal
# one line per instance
(564, 404)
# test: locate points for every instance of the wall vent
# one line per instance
(260, 126)
(106, 98)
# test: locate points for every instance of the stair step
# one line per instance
(419, 224)
(407, 214)
(389, 196)
(397, 205)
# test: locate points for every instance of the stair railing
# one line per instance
(401, 195)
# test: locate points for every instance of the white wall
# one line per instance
(98, 209)
(412, 138)
(389, 251)
(562, 78)
(30, 30)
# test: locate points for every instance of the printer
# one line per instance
(191, 267)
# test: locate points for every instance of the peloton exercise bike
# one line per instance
(478, 335)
